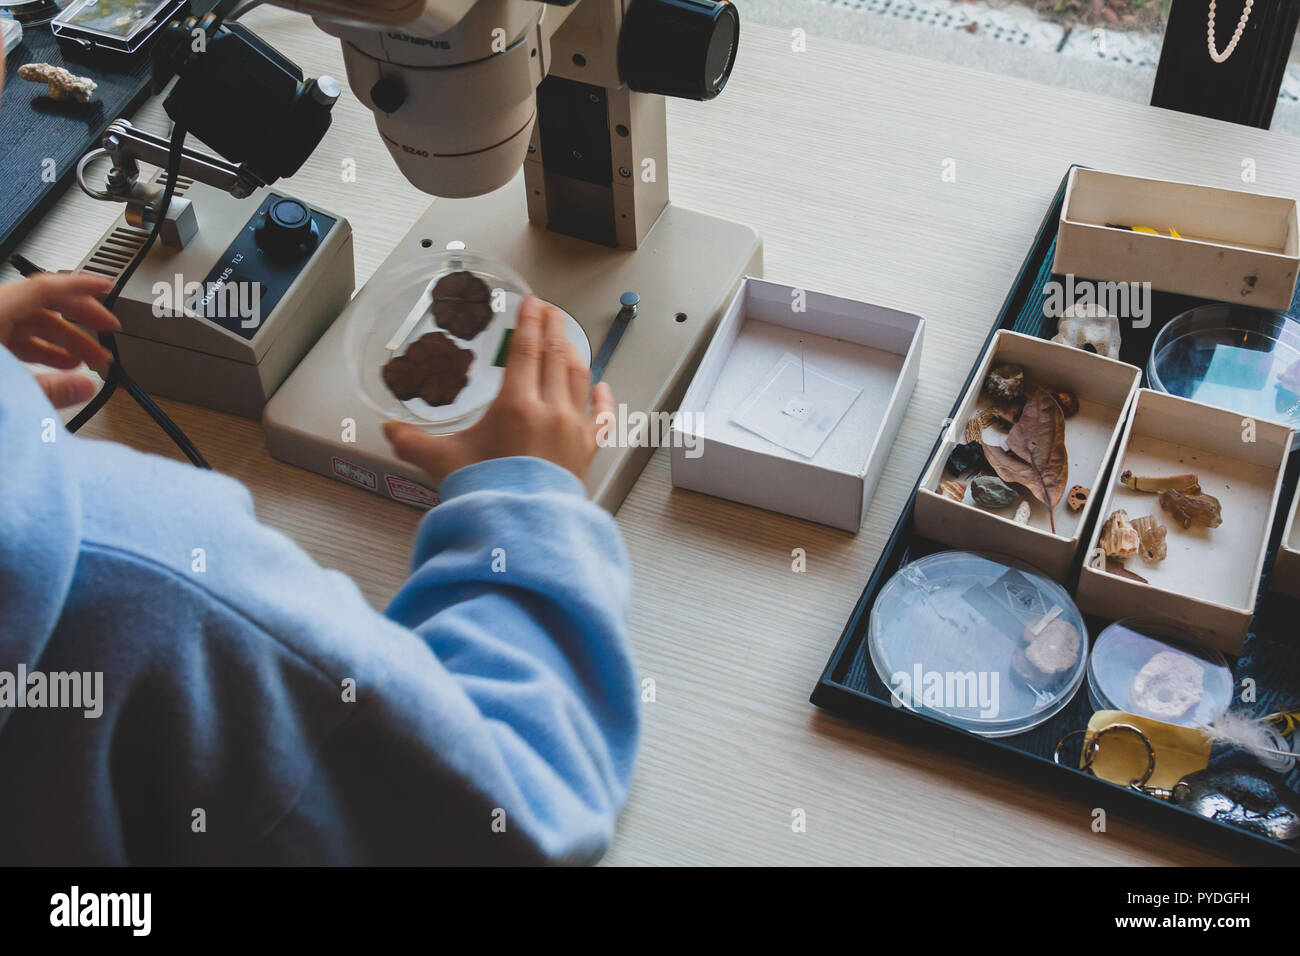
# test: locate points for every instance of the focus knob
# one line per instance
(388, 94)
(287, 230)
(682, 48)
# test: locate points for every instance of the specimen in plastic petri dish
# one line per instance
(1155, 669)
(406, 314)
(980, 640)
(1243, 359)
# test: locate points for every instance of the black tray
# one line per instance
(850, 687)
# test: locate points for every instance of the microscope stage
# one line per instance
(685, 273)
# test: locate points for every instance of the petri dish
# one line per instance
(1243, 359)
(406, 313)
(980, 640)
(1153, 668)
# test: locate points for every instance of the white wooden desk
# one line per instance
(836, 155)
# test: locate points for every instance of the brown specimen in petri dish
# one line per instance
(433, 368)
(462, 304)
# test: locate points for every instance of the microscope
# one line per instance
(540, 128)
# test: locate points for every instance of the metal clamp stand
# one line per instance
(127, 147)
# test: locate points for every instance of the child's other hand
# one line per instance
(33, 327)
(541, 410)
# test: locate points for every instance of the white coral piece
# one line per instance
(1088, 326)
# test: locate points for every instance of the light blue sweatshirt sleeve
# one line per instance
(256, 709)
(513, 739)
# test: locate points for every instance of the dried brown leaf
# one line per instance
(1035, 455)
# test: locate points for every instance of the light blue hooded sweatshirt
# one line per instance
(253, 708)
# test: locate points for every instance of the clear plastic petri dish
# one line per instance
(406, 314)
(1243, 359)
(980, 640)
(1153, 668)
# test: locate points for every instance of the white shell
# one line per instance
(1087, 324)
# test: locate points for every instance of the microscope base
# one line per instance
(685, 273)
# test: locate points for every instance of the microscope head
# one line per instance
(452, 83)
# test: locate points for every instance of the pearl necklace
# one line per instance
(1215, 55)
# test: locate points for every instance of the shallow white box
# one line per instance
(1286, 566)
(866, 346)
(1105, 389)
(1210, 579)
(1236, 247)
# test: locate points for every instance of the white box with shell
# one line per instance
(1209, 576)
(1049, 539)
(1217, 244)
(1286, 566)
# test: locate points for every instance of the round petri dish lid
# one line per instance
(406, 313)
(980, 640)
(1152, 668)
(1243, 359)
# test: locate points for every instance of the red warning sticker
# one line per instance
(355, 474)
(411, 493)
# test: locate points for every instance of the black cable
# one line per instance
(117, 375)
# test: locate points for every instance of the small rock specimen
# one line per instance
(1077, 498)
(1250, 801)
(992, 493)
(1022, 513)
(1119, 539)
(956, 490)
(433, 368)
(1048, 655)
(1156, 485)
(966, 458)
(1192, 507)
(1006, 383)
(1089, 327)
(1168, 685)
(1152, 534)
(462, 304)
(1068, 401)
(63, 84)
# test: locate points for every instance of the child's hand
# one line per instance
(541, 410)
(32, 327)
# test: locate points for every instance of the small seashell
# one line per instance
(992, 493)
(1077, 498)
(1118, 537)
(1006, 383)
(956, 490)
(1022, 513)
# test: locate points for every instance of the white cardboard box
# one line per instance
(1286, 566)
(1210, 579)
(1235, 247)
(1105, 389)
(866, 346)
